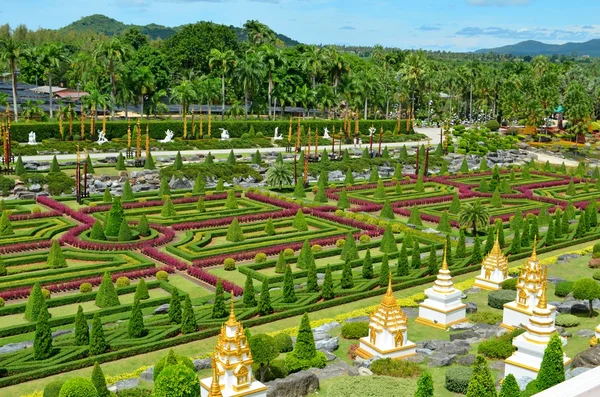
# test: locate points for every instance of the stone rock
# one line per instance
(479, 331)
(473, 290)
(575, 371)
(326, 327)
(585, 333)
(417, 359)
(335, 370)
(99, 184)
(358, 319)
(15, 347)
(179, 183)
(361, 362)
(461, 326)
(362, 371)
(330, 344)
(566, 258)
(496, 364)
(148, 374)
(162, 309)
(566, 334)
(572, 307)
(523, 382)
(411, 312)
(440, 360)
(588, 358)
(295, 385)
(123, 174)
(124, 385)
(35, 187)
(330, 356)
(555, 280)
(471, 307)
(61, 332)
(453, 349)
(203, 363)
(467, 360)
(426, 352)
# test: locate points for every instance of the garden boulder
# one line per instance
(295, 385)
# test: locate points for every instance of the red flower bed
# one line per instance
(157, 202)
(166, 234)
(165, 258)
(36, 215)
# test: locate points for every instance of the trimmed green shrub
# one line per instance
(510, 387)
(349, 251)
(596, 275)
(115, 217)
(141, 290)
(425, 385)
(497, 299)
(82, 332)
(42, 343)
(56, 259)
(78, 387)
(124, 232)
(97, 232)
(355, 330)
(107, 294)
(45, 293)
(270, 228)
(299, 222)
(316, 248)
(98, 344)
(486, 317)
(288, 253)
(99, 381)
(6, 228)
(175, 307)
(496, 348)
(305, 354)
(510, 284)
(231, 201)
(259, 258)
(264, 301)
(52, 389)
(327, 292)
(168, 208)
(587, 289)
(171, 359)
(177, 381)
(143, 227)
(164, 189)
(289, 293)
(567, 320)
(371, 386)
(458, 378)
(188, 320)
(123, 282)
(35, 303)
(596, 251)
(249, 293)
(552, 370)
(161, 275)
(563, 288)
(84, 288)
(283, 342)
(229, 264)
(135, 325)
(234, 232)
(395, 368)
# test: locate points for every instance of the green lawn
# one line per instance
(188, 286)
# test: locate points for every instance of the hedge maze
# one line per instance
(281, 255)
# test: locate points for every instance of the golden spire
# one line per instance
(232, 321)
(388, 299)
(215, 388)
(533, 254)
(445, 263)
(543, 302)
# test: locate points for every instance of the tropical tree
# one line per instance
(144, 82)
(10, 53)
(114, 52)
(249, 72)
(52, 56)
(225, 62)
(279, 174)
(473, 215)
(184, 94)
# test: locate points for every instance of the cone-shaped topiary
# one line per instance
(476, 256)
(349, 178)
(54, 167)
(461, 249)
(19, 167)
(168, 209)
(489, 240)
(398, 188)
(114, 219)
(432, 261)
(199, 185)
(188, 319)
(6, 228)
(299, 189)
(149, 162)
(141, 290)
(384, 271)
(374, 176)
(483, 186)
(98, 344)
(415, 261)
(415, 217)
(444, 225)
(312, 283)
(107, 294)
(143, 227)
(42, 343)
(367, 269)
(481, 383)
(3, 271)
(379, 190)
(305, 348)
(387, 211)
(300, 222)
(525, 235)
(35, 303)
(106, 197)
(280, 266)
(209, 160)
(349, 252)
(231, 158)
(328, 284)
(234, 232)
(120, 163)
(165, 189)
(464, 166)
(419, 186)
(90, 165)
(231, 201)
(175, 307)
(219, 310)
(289, 293)
(550, 237)
(483, 165)
(56, 259)
(510, 387)
(249, 293)
(320, 196)
(496, 200)
(398, 171)
(269, 227)
(256, 158)
(99, 381)
(127, 194)
(347, 280)
(178, 164)
(343, 202)
(552, 369)
(264, 301)
(125, 232)
(425, 384)
(388, 242)
(402, 269)
(455, 204)
(515, 245)
(200, 207)
(135, 326)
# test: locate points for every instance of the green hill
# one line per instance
(102, 24)
(532, 47)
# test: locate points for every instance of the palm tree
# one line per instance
(184, 94)
(114, 51)
(32, 109)
(10, 52)
(326, 98)
(312, 62)
(473, 215)
(156, 106)
(235, 110)
(338, 66)
(52, 55)
(279, 174)
(306, 97)
(259, 33)
(225, 62)
(273, 60)
(144, 82)
(249, 71)
(93, 101)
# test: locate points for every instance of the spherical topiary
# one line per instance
(283, 342)
(259, 258)
(52, 389)
(36, 210)
(510, 284)
(85, 288)
(567, 320)
(123, 282)
(492, 125)
(340, 243)
(1, 302)
(563, 288)
(162, 275)
(78, 387)
(229, 264)
(316, 248)
(288, 252)
(364, 239)
(45, 293)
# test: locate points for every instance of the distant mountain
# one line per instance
(532, 47)
(102, 24)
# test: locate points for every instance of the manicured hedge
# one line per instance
(457, 379)
(497, 299)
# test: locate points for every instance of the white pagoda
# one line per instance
(443, 306)
(527, 360)
(388, 331)
(232, 365)
(494, 269)
(529, 286)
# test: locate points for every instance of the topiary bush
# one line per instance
(396, 368)
(283, 342)
(2, 303)
(510, 284)
(78, 387)
(364, 239)
(371, 386)
(492, 125)
(258, 258)
(288, 252)
(294, 364)
(162, 275)
(567, 320)
(229, 264)
(85, 288)
(563, 288)
(52, 389)
(596, 251)
(45, 293)
(177, 381)
(316, 248)
(486, 317)
(497, 299)
(355, 330)
(457, 379)
(171, 359)
(123, 282)
(596, 275)
(496, 348)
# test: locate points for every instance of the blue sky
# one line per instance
(454, 25)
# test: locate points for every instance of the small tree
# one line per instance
(97, 232)
(6, 228)
(178, 163)
(461, 249)
(188, 319)
(168, 209)
(444, 225)
(327, 292)
(402, 269)
(19, 167)
(432, 261)
(280, 266)
(424, 386)
(343, 201)
(264, 301)
(349, 178)
(99, 381)
(299, 191)
(305, 348)
(384, 272)
(149, 163)
(349, 252)
(510, 387)
(231, 201)
(419, 186)
(249, 293)
(552, 369)
(42, 343)
(379, 190)
(464, 166)
(587, 289)
(388, 242)
(312, 281)
(415, 260)
(264, 350)
(234, 232)
(135, 326)
(209, 160)
(54, 167)
(515, 245)
(476, 256)
(321, 195)
(124, 232)
(496, 200)
(299, 221)
(199, 185)
(82, 333)
(481, 383)
(455, 204)
(347, 280)
(127, 194)
(56, 259)
(175, 307)
(120, 163)
(231, 158)
(98, 344)
(306, 257)
(289, 293)
(164, 189)
(387, 211)
(141, 290)
(143, 227)
(374, 178)
(256, 158)
(415, 217)
(269, 228)
(35, 303)
(490, 239)
(550, 238)
(177, 380)
(367, 269)
(219, 310)
(106, 197)
(115, 217)
(107, 294)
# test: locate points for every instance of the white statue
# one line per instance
(277, 137)
(101, 137)
(168, 137)
(224, 134)
(372, 131)
(32, 139)
(326, 133)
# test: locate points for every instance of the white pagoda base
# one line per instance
(527, 360)
(442, 310)
(256, 389)
(367, 350)
(516, 316)
(486, 284)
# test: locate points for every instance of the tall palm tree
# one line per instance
(10, 52)
(338, 66)
(249, 71)
(115, 52)
(312, 62)
(273, 60)
(414, 71)
(225, 62)
(326, 98)
(474, 216)
(306, 97)
(279, 174)
(184, 94)
(259, 33)
(96, 99)
(156, 106)
(32, 108)
(144, 82)
(52, 56)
